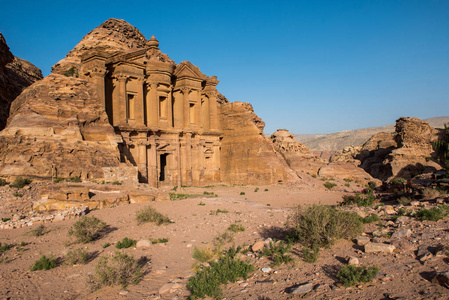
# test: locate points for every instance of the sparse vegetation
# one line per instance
(120, 269)
(242, 193)
(225, 237)
(348, 179)
(310, 255)
(174, 196)
(116, 183)
(106, 245)
(441, 148)
(74, 179)
(314, 175)
(58, 180)
(76, 257)
(227, 269)
(350, 275)
(44, 263)
(256, 190)
(218, 211)
(72, 72)
(236, 227)
(20, 182)
(125, 243)
(39, 230)
(3, 182)
(149, 214)
(204, 254)
(87, 229)
(404, 200)
(266, 190)
(278, 251)
(322, 225)
(370, 219)
(4, 247)
(201, 203)
(5, 219)
(429, 193)
(159, 240)
(17, 194)
(329, 185)
(364, 198)
(433, 214)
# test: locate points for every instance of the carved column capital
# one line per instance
(122, 77)
(185, 90)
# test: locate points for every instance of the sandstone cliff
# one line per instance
(15, 75)
(405, 153)
(58, 128)
(247, 156)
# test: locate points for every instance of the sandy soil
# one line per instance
(263, 213)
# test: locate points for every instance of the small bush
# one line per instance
(429, 193)
(236, 227)
(314, 175)
(350, 275)
(159, 240)
(364, 198)
(116, 183)
(44, 263)
(74, 179)
(433, 214)
(39, 230)
(242, 193)
(5, 219)
(20, 182)
(321, 225)
(3, 182)
(87, 229)
(223, 238)
(203, 254)
(201, 203)
(278, 251)
(125, 243)
(72, 72)
(120, 269)
(370, 219)
(17, 194)
(106, 245)
(58, 180)
(404, 200)
(76, 257)
(149, 214)
(256, 190)
(329, 185)
(348, 179)
(218, 211)
(227, 269)
(174, 196)
(4, 247)
(310, 255)
(399, 181)
(265, 190)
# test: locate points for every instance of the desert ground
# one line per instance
(263, 211)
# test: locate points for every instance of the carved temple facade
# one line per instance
(166, 114)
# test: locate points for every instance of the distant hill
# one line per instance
(342, 139)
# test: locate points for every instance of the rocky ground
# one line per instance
(405, 270)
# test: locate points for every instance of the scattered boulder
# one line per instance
(362, 240)
(144, 244)
(259, 245)
(352, 260)
(379, 247)
(442, 278)
(301, 289)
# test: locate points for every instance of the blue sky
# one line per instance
(307, 66)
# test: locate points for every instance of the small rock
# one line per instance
(259, 245)
(301, 289)
(144, 244)
(379, 247)
(165, 288)
(266, 270)
(352, 260)
(123, 292)
(389, 210)
(405, 232)
(362, 240)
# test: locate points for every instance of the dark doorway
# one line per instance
(163, 164)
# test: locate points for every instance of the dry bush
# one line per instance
(429, 193)
(87, 229)
(76, 257)
(149, 214)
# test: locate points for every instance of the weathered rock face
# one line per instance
(58, 128)
(403, 154)
(297, 156)
(15, 75)
(346, 170)
(247, 156)
(111, 36)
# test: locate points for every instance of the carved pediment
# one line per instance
(186, 69)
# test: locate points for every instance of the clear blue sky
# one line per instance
(310, 66)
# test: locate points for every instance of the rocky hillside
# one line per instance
(340, 140)
(15, 75)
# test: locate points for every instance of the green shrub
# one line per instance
(58, 180)
(120, 269)
(204, 254)
(224, 238)
(265, 190)
(87, 229)
(218, 211)
(3, 182)
(5, 219)
(329, 185)
(364, 198)
(348, 179)
(116, 183)
(314, 175)
(106, 245)
(404, 200)
(72, 72)
(76, 257)
(256, 190)
(433, 214)
(350, 275)
(310, 255)
(278, 251)
(159, 240)
(44, 263)
(74, 179)
(399, 181)
(39, 230)
(227, 269)
(321, 225)
(236, 227)
(149, 214)
(17, 194)
(4, 247)
(370, 219)
(125, 243)
(242, 193)
(20, 182)
(174, 196)
(201, 203)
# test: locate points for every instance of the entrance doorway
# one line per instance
(163, 165)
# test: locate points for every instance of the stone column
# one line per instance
(120, 109)
(152, 105)
(97, 77)
(152, 162)
(186, 104)
(213, 110)
(188, 154)
(142, 164)
(139, 107)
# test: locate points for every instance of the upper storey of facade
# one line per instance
(145, 90)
